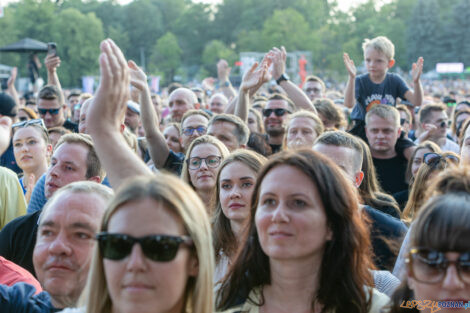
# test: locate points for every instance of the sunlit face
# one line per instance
(275, 125)
(30, 148)
(313, 89)
(376, 62)
(204, 178)
(465, 150)
(301, 133)
(64, 245)
(193, 122)
(225, 132)
(137, 283)
(290, 217)
(51, 120)
(132, 120)
(382, 134)
(82, 120)
(217, 104)
(438, 119)
(253, 123)
(172, 138)
(179, 103)
(236, 185)
(418, 160)
(450, 288)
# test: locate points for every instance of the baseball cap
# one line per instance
(7, 105)
(133, 106)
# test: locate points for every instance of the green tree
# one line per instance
(213, 52)
(166, 56)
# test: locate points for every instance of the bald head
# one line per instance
(180, 101)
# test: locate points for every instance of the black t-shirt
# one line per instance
(70, 126)
(391, 173)
(18, 238)
(276, 148)
(386, 234)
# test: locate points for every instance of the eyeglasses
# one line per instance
(403, 121)
(37, 121)
(211, 161)
(432, 158)
(430, 267)
(158, 248)
(277, 112)
(189, 131)
(51, 111)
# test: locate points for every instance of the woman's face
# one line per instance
(290, 217)
(204, 177)
(418, 160)
(236, 186)
(465, 150)
(22, 116)
(137, 283)
(172, 138)
(450, 287)
(301, 133)
(30, 148)
(253, 123)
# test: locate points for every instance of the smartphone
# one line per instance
(52, 48)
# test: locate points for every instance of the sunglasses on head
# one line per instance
(37, 121)
(158, 248)
(189, 131)
(277, 112)
(51, 111)
(432, 158)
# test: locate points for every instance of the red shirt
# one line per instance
(10, 274)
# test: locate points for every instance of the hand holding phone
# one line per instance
(52, 49)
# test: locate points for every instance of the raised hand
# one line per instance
(137, 76)
(349, 64)
(417, 69)
(109, 103)
(278, 59)
(30, 182)
(255, 76)
(52, 62)
(12, 79)
(223, 70)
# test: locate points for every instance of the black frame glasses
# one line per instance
(51, 111)
(37, 121)
(430, 267)
(278, 112)
(189, 131)
(195, 163)
(158, 248)
(432, 158)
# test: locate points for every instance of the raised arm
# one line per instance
(301, 100)
(349, 93)
(416, 96)
(11, 90)
(52, 63)
(158, 147)
(223, 74)
(105, 114)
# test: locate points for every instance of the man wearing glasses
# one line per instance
(433, 126)
(275, 115)
(51, 108)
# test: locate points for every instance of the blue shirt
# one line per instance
(21, 298)
(369, 94)
(38, 198)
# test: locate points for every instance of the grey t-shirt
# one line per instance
(369, 94)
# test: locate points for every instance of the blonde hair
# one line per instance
(381, 44)
(386, 112)
(179, 198)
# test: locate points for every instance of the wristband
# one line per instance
(282, 78)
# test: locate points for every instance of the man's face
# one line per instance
(156, 101)
(217, 104)
(273, 124)
(52, 118)
(179, 103)
(313, 90)
(382, 134)
(189, 128)
(73, 100)
(68, 164)
(342, 156)
(438, 119)
(225, 132)
(64, 245)
(132, 120)
(82, 119)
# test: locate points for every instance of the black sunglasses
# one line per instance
(37, 121)
(277, 112)
(432, 158)
(51, 111)
(158, 248)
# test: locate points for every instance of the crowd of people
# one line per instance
(269, 198)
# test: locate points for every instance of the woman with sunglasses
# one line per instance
(438, 260)
(303, 128)
(154, 252)
(32, 151)
(235, 183)
(307, 249)
(433, 163)
(201, 165)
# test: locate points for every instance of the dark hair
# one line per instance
(330, 111)
(259, 143)
(241, 130)
(279, 96)
(51, 92)
(346, 261)
(313, 78)
(443, 224)
(427, 109)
